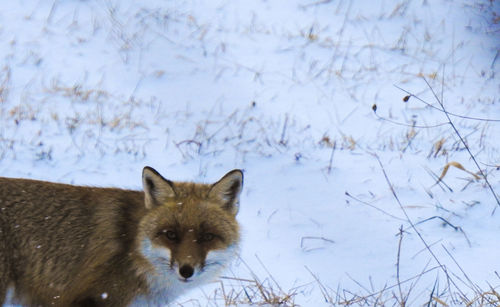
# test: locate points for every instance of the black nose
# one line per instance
(186, 271)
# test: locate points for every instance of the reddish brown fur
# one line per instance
(188, 216)
(64, 245)
(58, 244)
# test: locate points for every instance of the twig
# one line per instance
(358, 283)
(303, 239)
(316, 3)
(413, 125)
(432, 293)
(461, 270)
(440, 110)
(438, 180)
(376, 208)
(415, 228)
(237, 279)
(424, 249)
(456, 228)
(395, 285)
(269, 273)
(413, 284)
(322, 288)
(283, 132)
(465, 144)
(334, 146)
(402, 303)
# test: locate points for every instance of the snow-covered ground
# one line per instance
(92, 91)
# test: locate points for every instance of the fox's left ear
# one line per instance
(227, 190)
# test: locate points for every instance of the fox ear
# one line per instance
(157, 189)
(227, 190)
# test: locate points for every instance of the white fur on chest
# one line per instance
(165, 283)
(164, 289)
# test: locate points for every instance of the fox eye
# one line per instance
(169, 234)
(172, 236)
(206, 237)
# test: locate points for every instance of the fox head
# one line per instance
(190, 230)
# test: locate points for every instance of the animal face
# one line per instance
(190, 242)
(190, 231)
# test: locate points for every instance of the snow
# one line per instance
(92, 91)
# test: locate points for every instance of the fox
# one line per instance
(67, 245)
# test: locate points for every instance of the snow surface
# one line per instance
(92, 91)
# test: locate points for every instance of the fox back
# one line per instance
(65, 245)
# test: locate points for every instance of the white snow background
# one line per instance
(91, 91)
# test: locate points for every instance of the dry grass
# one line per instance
(98, 121)
(255, 292)
(234, 291)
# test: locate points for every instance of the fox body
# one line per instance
(65, 245)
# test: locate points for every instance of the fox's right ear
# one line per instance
(157, 190)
